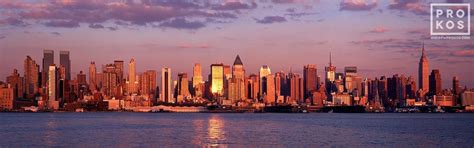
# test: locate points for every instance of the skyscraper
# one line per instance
(238, 80)
(132, 82)
(217, 79)
(310, 79)
(330, 71)
(423, 72)
(197, 75)
(264, 71)
(435, 82)
(166, 85)
(16, 83)
(119, 71)
(48, 60)
(66, 62)
(52, 83)
(92, 77)
(183, 86)
(456, 88)
(31, 72)
(147, 83)
(270, 89)
(109, 79)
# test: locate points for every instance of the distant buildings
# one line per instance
(65, 61)
(310, 79)
(217, 79)
(6, 97)
(423, 72)
(435, 82)
(166, 95)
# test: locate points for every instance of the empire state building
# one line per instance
(423, 71)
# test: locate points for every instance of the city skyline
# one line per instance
(385, 39)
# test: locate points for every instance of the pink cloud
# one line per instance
(357, 5)
(379, 29)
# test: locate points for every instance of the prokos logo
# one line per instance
(450, 19)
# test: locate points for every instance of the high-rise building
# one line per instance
(238, 81)
(52, 83)
(16, 83)
(435, 82)
(264, 71)
(48, 60)
(253, 87)
(456, 88)
(66, 62)
(92, 77)
(198, 82)
(197, 75)
(6, 98)
(109, 80)
(166, 85)
(270, 89)
(330, 71)
(296, 91)
(119, 71)
(310, 79)
(132, 82)
(423, 71)
(31, 74)
(183, 86)
(217, 79)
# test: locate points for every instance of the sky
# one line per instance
(381, 38)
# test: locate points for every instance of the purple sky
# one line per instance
(379, 37)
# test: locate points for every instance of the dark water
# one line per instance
(234, 130)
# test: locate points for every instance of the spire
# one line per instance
(330, 60)
(423, 49)
(238, 61)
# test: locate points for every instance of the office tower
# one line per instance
(330, 71)
(183, 86)
(48, 60)
(81, 78)
(456, 88)
(61, 72)
(264, 71)
(278, 83)
(435, 82)
(217, 79)
(310, 79)
(132, 82)
(119, 71)
(31, 74)
(238, 81)
(197, 75)
(92, 77)
(6, 97)
(166, 85)
(52, 83)
(16, 83)
(109, 80)
(411, 88)
(295, 88)
(227, 72)
(382, 90)
(147, 82)
(351, 80)
(66, 62)
(270, 89)
(253, 87)
(423, 71)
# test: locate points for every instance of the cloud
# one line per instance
(2, 37)
(234, 6)
(190, 45)
(71, 13)
(463, 53)
(13, 22)
(379, 30)
(112, 28)
(376, 41)
(181, 23)
(96, 26)
(271, 19)
(414, 6)
(65, 24)
(357, 5)
(55, 33)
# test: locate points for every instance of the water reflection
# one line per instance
(51, 133)
(215, 131)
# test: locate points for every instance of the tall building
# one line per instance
(197, 75)
(264, 71)
(310, 79)
(253, 87)
(132, 82)
(435, 82)
(330, 71)
(48, 60)
(296, 91)
(65, 61)
(217, 79)
(52, 83)
(423, 72)
(6, 98)
(16, 83)
(119, 71)
(183, 86)
(31, 74)
(109, 80)
(166, 85)
(238, 81)
(92, 77)
(270, 89)
(456, 88)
